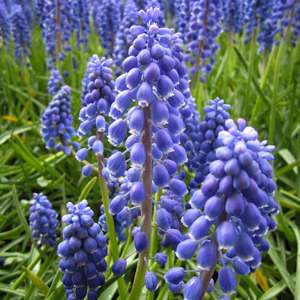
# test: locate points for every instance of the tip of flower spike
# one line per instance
(151, 15)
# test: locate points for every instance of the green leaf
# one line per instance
(87, 189)
(7, 289)
(7, 134)
(288, 158)
(36, 281)
(281, 267)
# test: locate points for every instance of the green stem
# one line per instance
(109, 220)
(170, 265)
(146, 215)
(250, 70)
(228, 63)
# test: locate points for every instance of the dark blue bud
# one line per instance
(163, 218)
(193, 289)
(175, 275)
(137, 155)
(186, 249)
(81, 257)
(239, 266)
(198, 200)
(244, 247)
(163, 141)
(116, 205)
(133, 78)
(199, 228)
(87, 170)
(161, 176)
(115, 162)
(136, 122)
(227, 280)
(209, 186)
(98, 148)
(226, 234)
(137, 193)
(100, 123)
(157, 51)
(117, 132)
(171, 166)
(207, 255)
(140, 241)
(152, 72)
(144, 57)
(235, 205)
(151, 281)
(160, 112)
(175, 125)
(178, 155)
(174, 237)
(178, 187)
(165, 87)
(213, 207)
(190, 216)
(119, 267)
(82, 154)
(251, 217)
(144, 94)
(161, 258)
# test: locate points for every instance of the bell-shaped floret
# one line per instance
(227, 280)
(161, 176)
(175, 275)
(207, 255)
(140, 241)
(151, 281)
(186, 249)
(193, 289)
(226, 234)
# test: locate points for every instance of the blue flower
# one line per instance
(5, 25)
(43, 220)
(55, 82)
(57, 119)
(82, 252)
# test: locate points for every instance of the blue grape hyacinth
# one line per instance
(57, 121)
(82, 253)
(233, 11)
(5, 25)
(204, 27)
(20, 32)
(237, 198)
(42, 220)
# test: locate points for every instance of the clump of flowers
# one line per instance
(82, 253)
(4, 26)
(43, 220)
(55, 82)
(204, 27)
(236, 198)
(233, 15)
(57, 121)
(20, 32)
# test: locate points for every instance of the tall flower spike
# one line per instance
(155, 125)
(56, 27)
(57, 121)
(182, 10)
(42, 220)
(82, 253)
(20, 32)
(204, 28)
(5, 26)
(81, 21)
(233, 15)
(237, 197)
(107, 21)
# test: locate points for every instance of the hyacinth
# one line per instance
(256, 13)
(56, 28)
(206, 140)
(82, 253)
(42, 220)
(5, 29)
(20, 32)
(182, 10)
(296, 23)
(204, 28)
(107, 21)
(81, 21)
(161, 21)
(236, 197)
(57, 121)
(233, 15)
(55, 82)
(124, 38)
(27, 12)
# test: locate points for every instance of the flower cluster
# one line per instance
(20, 32)
(236, 197)
(207, 140)
(161, 20)
(42, 220)
(204, 28)
(82, 253)
(124, 38)
(55, 82)
(81, 21)
(233, 15)
(182, 10)
(56, 27)
(4, 26)
(27, 12)
(107, 21)
(57, 121)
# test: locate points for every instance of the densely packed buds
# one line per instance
(57, 121)
(42, 220)
(82, 253)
